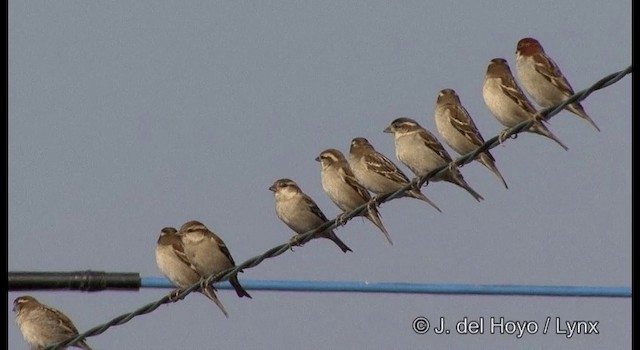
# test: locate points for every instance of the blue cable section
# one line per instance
(411, 288)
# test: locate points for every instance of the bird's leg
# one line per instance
(294, 241)
(503, 136)
(539, 118)
(374, 200)
(371, 206)
(453, 171)
(173, 296)
(340, 220)
(208, 282)
(205, 283)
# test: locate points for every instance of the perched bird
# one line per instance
(300, 212)
(339, 183)
(506, 101)
(459, 131)
(174, 264)
(378, 173)
(543, 80)
(171, 260)
(421, 152)
(42, 325)
(208, 253)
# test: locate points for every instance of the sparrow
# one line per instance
(459, 131)
(43, 325)
(543, 80)
(420, 151)
(379, 174)
(339, 183)
(298, 211)
(208, 253)
(506, 101)
(176, 266)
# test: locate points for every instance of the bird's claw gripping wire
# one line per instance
(341, 220)
(539, 118)
(452, 167)
(294, 241)
(174, 296)
(206, 283)
(503, 136)
(452, 171)
(420, 183)
(371, 206)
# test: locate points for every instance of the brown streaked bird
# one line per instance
(420, 151)
(543, 80)
(341, 186)
(299, 212)
(208, 253)
(378, 173)
(174, 264)
(42, 325)
(183, 268)
(506, 101)
(459, 131)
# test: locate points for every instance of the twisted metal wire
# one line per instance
(342, 219)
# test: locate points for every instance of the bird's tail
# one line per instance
(374, 216)
(83, 345)
(455, 177)
(239, 289)
(576, 108)
(489, 162)
(332, 236)
(209, 292)
(419, 195)
(540, 129)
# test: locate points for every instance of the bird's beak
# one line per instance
(317, 158)
(387, 129)
(272, 188)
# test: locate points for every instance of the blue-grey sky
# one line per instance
(126, 117)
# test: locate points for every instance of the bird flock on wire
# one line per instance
(193, 253)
